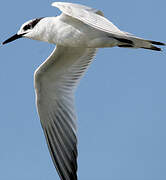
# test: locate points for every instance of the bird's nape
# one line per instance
(78, 32)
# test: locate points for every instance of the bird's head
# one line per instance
(29, 30)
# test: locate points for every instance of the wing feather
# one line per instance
(55, 83)
(89, 16)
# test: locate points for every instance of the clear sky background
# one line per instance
(121, 101)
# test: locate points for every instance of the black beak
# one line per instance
(16, 36)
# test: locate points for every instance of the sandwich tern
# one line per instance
(78, 32)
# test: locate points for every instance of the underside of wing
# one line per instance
(89, 16)
(55, 81)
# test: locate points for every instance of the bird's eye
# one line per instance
(32, 24)
(26, 27)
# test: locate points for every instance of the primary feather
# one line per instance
(55, 102)
(77, 33)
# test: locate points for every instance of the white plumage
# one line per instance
(77, 33)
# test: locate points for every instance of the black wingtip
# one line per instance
(153, 48)
(123, 40)
(157, 43)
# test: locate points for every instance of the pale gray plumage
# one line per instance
(77, 33)
(55, 102)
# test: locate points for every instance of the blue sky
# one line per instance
(121, 101)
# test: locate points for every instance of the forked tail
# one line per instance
(134, 42)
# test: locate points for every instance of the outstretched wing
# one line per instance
(55, 82)
(89, 16)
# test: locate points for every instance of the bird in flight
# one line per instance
(78, 32)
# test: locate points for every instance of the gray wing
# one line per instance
(55, 82)
(89, 16)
